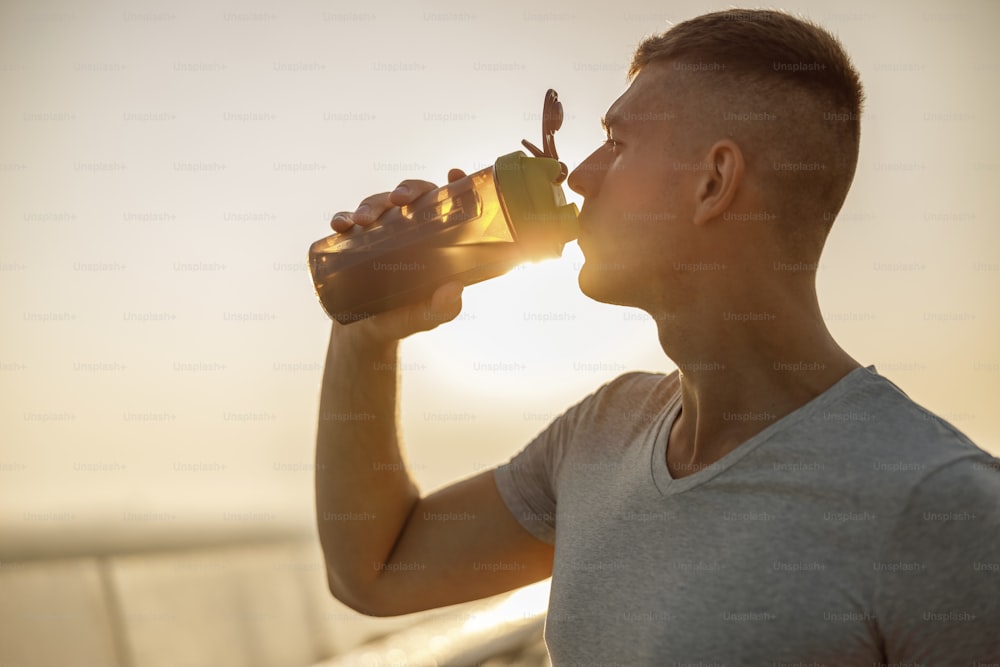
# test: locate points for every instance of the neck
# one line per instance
(743, 368)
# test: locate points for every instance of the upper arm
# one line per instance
(464, 542)
(460, 543)
(939, 576)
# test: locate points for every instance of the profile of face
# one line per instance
(639, 195)
(689, 203)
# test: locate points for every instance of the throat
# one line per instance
(715, 420)
(684, 460)
(696, 442)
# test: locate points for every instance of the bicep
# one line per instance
(460, 543)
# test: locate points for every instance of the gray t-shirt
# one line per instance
(858, 530)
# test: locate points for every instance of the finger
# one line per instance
(371, 208)
(443, 306)
(341, 221)
(409, 190)
(455, 174)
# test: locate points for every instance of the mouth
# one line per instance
(582, 234)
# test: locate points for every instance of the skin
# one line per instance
(390, 550)
(663, 228)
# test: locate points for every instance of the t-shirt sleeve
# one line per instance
(938, 584)
(528, 483)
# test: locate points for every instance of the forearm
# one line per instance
(364, 493)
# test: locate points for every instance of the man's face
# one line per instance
(635, 221)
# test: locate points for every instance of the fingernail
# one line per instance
(401, 190)
(364, 211)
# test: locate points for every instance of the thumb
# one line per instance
(444, 306)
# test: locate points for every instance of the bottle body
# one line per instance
(464, 231)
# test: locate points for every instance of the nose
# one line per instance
(586, 178)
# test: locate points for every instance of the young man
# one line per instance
(775, 502)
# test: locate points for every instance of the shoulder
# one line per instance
(617, 411)
(880, 447)
(966, 489)
(634, 396)
(638, 384)
(946, 486)
(893, 424)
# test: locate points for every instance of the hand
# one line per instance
(446, 302)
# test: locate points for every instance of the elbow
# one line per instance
(362, 597)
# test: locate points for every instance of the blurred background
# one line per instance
(165, 166)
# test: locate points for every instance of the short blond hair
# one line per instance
(769, 57)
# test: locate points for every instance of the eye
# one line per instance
(612, 144)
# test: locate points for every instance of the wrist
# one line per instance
(363, 338)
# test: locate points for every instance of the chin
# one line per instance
(587, 286)
(606, 283)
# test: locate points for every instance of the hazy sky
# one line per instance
(165, 166)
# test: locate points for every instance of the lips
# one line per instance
(582, 235)
(581, 222)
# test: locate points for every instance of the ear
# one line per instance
(719, 182)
